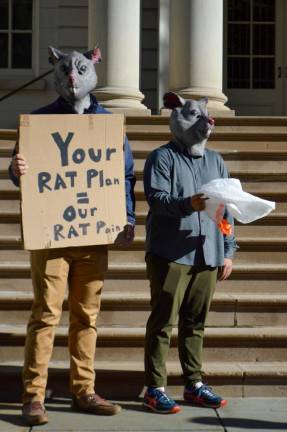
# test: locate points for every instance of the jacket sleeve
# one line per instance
(157, 187)
(230, 245)
(130, 181)
(14, 179)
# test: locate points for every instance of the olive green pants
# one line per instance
(183, 292)
(83, 269)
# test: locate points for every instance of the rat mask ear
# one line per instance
(94, 55)
(204, 100)
(55, 55)
(172, 100)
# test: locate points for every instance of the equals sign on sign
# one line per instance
(82, 198)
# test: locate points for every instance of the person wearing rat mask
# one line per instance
(185, 252)
(83, 268)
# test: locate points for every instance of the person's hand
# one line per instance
(198, 202)
(225, 271)
(19, 165)
(129, 233)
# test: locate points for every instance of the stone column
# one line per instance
(114, 25)
(163, 52)
(196, 51)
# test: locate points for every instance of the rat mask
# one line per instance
(189, 122)
(75, 75)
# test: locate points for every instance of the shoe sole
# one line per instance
(221, 405)
(174, 410)
(101, 412)
(35, 421)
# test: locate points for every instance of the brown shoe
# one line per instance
(94, 404)
(34, 413)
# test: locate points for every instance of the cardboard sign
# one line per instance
(74, 191)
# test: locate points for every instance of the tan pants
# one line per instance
(83, 268)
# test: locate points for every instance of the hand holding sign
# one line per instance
(19, 166)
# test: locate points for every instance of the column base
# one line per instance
(216, 100)
(126, 100)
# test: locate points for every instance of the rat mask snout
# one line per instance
(211, 121)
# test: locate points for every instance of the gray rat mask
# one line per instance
(74, 75)
(189, 122)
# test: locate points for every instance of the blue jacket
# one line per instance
(60, 106)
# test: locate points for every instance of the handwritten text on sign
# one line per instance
(81, 176)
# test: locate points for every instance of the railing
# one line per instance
(6, 96)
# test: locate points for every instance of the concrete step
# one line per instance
(111, 285)
(277, 217)
(6, 147)
(249, 238)
(245, 121)
(245, 166)
(136, 257)
(244, 170)
(254, 296)
(273, 287)
(220, 133)
(276, 191)
(259, 265)
(140, 133)
(161, 132)
(10, 213)
(13, 230)
(238, 379)
(8, 134)
(114, 343)
(218, 129)
(230, 150)
(132, 309)
(231, 124)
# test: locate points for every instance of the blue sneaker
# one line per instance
(159, 402)
(203, 396)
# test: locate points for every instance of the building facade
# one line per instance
(233, 51)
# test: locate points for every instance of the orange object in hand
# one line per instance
(225, 227)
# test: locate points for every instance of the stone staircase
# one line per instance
(246, 339)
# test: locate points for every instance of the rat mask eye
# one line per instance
(194, 112)
(82, 69)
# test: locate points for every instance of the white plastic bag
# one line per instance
(228, 193)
